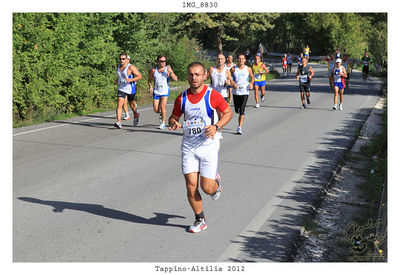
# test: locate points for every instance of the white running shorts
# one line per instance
(203, 159)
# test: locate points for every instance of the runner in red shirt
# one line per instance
(205, 113)
(284, 65)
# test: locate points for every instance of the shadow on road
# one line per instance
(160, 219)
(277, 242)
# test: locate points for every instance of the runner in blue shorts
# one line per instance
(259, 72)
(161, 75)
(339, 75)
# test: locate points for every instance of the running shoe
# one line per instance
(217, 194)
(118, 125)
(340, 106)
(303, 106)
(334, 107)
(198, 226)
(126, 117)
(308, 101)
(262, 99)
(257, 105)
(162, 125)
(239, 131)
(136, 119)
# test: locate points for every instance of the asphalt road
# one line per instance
(85, 191)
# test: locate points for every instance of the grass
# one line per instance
(312, 227)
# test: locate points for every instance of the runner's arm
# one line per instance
(344, 72)
(252, 78)
(265, 68)
(150, 79)
(229, 79)
(225, 114)
(209, 72)
(172, 74)
(173, 120)
(133, 70)
(234, 85)
(312, 72)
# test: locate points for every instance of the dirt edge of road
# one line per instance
(332, 214)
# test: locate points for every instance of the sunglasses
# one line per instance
(162, 61)
(122, 58)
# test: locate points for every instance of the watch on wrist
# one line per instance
(217, 127)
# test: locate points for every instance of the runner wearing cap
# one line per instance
(339, 75)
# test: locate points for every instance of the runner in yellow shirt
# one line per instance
(307, 52)
(259, 72)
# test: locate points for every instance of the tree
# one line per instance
(235, 29)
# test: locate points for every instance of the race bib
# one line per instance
(366, 63)
(303, 78)
(257, 76)
(194, 127)
(122, 82)
(338, 78)
(160, 87)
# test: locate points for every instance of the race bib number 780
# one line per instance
(194, 127)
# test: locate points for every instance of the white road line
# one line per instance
(61, 125)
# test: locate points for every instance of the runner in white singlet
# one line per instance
(127, 76)
(243, 81)
(221, 78)
(201, 139)
(161, 75)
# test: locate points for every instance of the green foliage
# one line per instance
(59, 65)
(65, 62)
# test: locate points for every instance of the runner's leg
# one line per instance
(193, 193)
(163, 107)
(120, 104)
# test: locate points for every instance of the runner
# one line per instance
(161, 75)
(304, 75)
(339, 74)
(247, 53)
(241, 85)
(338, 53)
(127, 76)
(284, 65)
(221, 78)
(289, 62)
(307, 52)
(299, 62)
(201, 139)
(259, 72)
(229, 64)
(331, 64)
(348, 65)
(366, 60)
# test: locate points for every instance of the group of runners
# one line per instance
(206, 109)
